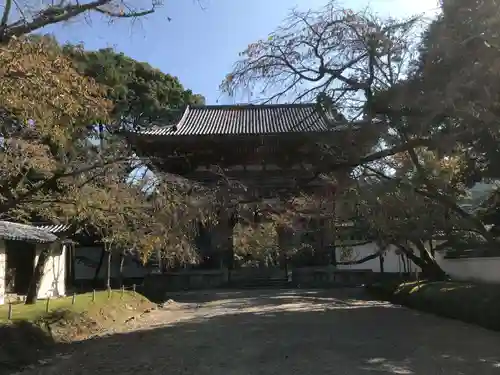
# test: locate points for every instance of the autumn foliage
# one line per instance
(53, 171)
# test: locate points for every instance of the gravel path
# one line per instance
(337, 332)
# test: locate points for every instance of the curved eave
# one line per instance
(27, 233)
(176, 139)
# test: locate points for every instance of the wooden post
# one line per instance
(133, 289)
(109, 293)
(93, 295)
(73, 300)
(123, 292)
(47, 305)
(9, 315)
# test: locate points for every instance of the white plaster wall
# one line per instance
(392, 261)
(87, 259)
(3, 259)
(54, 276)
(475, 269)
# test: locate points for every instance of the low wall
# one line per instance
(87, 261)
(249, 274)
(156, 285)
(193, 279)
(486, 270)
(53, 282)
(319, 277)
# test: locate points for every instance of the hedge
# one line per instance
(469, 302)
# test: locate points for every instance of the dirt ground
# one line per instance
(338, 332)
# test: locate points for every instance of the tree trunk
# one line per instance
(430, 269)
(36, 279)
(99, 266)
(381, 261)
(229, 245)
(122, 260)
(161, 268)
(101, 138)
(70, 265)
(405, 264)
(108, 271)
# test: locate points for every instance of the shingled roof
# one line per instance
(23, 232)
(53, 228)
(246, 120)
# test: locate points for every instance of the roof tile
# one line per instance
(55, 228)
(247, 120)
(23, 232)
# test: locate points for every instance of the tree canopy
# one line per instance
(51, 172)
(424, 91)
(141, 94)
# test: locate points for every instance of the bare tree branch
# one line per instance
(362, 260)
(6, 13)
(63, 12)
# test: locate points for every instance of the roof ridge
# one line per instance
(248, 119)
(251, 106)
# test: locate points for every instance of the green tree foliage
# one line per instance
(256, 244)
(451, 94)
(450, 97)
(141, 94)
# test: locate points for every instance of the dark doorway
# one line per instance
(20, 266)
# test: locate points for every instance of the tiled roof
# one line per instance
(54, 228)
(246, 119)
(23, 232)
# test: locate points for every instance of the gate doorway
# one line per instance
(20, 264)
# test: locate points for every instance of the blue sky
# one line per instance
(204, 38)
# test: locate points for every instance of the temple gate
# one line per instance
(264, 153)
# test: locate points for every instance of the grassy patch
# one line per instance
(469, 302)
(83, 303)
(33, 332)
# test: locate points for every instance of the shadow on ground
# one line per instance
(292, 332)
(23, 343)
(264, 296)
